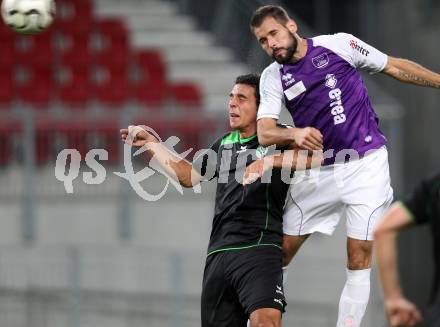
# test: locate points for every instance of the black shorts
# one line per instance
(238, 282)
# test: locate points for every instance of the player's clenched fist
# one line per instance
(308, 138)
(136, 136)
(401, 312)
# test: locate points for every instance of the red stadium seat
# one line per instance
(74, 16)
(114, 29)
(6, 33)
(152, 89)
(36, 87)
(77, 52)
(74, 89)
(35, 50)
(186, 94)
(113, 57)
(114, 47)
(7, 54)
(112, 86)
(7, 92)
(151, 93)
(152, 66)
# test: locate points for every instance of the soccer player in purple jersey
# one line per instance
(318, 82)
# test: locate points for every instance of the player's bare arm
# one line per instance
(399, 311)
(269, 133)
(172, 164)
(410, 72)
(296, 159)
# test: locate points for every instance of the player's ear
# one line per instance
(291, 26)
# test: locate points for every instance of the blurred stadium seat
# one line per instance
(83, 60)
(152, 88)
(75, 16)
(74, 88)
(7, 91)
(36, 51)
(34, 85)
(186, 94)
(76, 50)
(7, 53)
(111, 85)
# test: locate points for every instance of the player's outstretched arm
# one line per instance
(173, 165)
(269, 133)
(411, 72)
(399, 311)
(296, 159)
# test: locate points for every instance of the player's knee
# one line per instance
(358, 260)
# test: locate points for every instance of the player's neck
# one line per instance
(248, 132)
(301, 51)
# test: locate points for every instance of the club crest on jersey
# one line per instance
(320, 61)
(288, 79)
(261, 151)
(330, 81)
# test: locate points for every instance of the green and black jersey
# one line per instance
(245, 216)
(424, 205)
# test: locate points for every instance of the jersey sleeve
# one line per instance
(359, 54)
(205, 161)
(418, 203)
(271, 93)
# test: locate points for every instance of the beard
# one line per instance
(290, 51)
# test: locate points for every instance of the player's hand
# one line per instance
(401, 312)
(308, 138)
(255, 171)
(136, 136)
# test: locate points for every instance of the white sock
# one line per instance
(354, 298)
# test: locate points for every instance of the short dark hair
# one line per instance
(251, 80)
(277, 12)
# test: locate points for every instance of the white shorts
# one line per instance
(360, 189)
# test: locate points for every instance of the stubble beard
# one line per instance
(290, 51)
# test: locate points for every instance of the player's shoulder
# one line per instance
(333, 40)
(270, 78)
(273, 70)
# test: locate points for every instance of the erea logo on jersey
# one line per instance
(358, 48)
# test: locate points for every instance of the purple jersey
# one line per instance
(324, 90)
